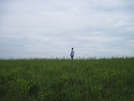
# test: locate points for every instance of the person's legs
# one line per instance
(72, 57)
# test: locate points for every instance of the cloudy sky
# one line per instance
(50, 28)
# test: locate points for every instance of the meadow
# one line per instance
(67, 80)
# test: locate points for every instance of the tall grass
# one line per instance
(67, 80)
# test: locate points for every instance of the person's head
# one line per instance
(72, 48)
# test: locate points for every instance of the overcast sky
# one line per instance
(50, 28)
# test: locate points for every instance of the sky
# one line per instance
(50, 28)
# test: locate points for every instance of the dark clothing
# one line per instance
(72, 57)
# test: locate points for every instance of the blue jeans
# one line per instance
(72, 57)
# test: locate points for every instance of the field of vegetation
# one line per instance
(67, 80)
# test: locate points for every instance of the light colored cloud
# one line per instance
(51, 28)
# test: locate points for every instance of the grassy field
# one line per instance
(67, 80)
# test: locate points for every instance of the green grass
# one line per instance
(67, 80)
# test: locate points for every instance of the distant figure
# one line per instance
(72, 53)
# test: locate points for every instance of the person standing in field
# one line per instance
(72, 53)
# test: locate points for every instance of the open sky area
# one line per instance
(50, 28)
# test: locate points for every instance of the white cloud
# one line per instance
(51, 28)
